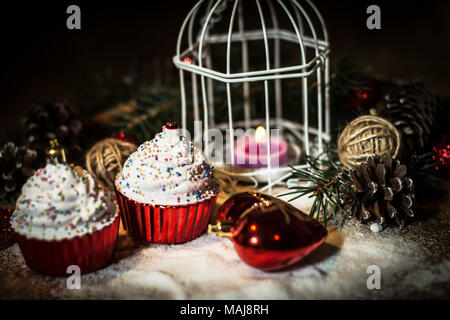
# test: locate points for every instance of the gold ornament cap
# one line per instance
(221, 228)
(55, 153)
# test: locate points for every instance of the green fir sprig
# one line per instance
(324, 177)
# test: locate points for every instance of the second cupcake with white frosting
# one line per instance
(166, 190)
(167, 171)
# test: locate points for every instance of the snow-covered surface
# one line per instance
(414, 263)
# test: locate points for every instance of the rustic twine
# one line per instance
(106, 158)
(365, 136)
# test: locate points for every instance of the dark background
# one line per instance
(41, 60)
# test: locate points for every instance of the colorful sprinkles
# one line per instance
(61, 201)
(164, 171)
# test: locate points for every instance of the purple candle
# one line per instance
(251, 151)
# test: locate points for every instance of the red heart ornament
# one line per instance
(267, 233)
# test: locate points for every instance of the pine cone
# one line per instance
(49, 121)
(412, 109)
(379, 188)
(16, 165)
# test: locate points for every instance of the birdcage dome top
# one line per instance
(221, 25)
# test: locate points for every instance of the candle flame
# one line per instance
(260, 134)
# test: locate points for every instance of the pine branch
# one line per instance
(349, 74)
(326, 176)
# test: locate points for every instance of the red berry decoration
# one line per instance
(124, 136)
(267, 233)
(172, 125)
(6, 236)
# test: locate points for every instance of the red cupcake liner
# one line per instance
(165, 224)
(52, 257)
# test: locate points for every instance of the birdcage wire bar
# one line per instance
(199, 48)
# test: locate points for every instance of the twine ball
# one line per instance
(365, 136)
(106, 158)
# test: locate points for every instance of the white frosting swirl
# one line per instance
(62, 201)
(167, 171)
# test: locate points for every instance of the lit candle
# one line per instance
(251, 151)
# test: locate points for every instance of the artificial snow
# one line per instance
(209, 268)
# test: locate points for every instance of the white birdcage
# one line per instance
(220, 32)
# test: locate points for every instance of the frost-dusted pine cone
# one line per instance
(379, 189)
(16, 165)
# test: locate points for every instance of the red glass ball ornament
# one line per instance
(441, 154)
(6, 235)
(269, 233)
(361, 100)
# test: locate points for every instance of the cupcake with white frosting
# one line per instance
(166, 190)
(64, 217)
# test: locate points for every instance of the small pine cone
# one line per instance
(379, 189)
(52, 121)
(16, 165)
